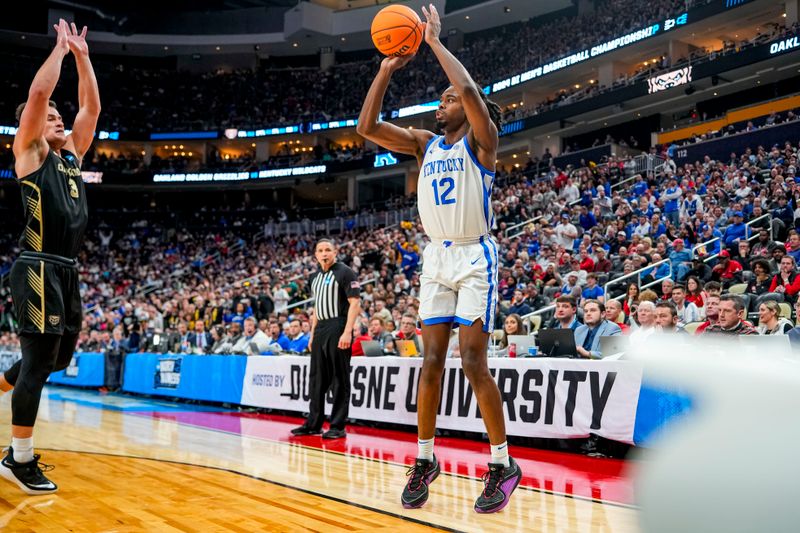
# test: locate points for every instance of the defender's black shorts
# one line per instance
(46, 294)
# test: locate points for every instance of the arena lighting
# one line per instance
(184, 135)
(231, 133)
(101, 135)
(269, 131)
(333, 124)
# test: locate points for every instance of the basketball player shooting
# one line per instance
(44, 278)
(459, 271)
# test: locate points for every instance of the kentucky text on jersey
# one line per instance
(455, 164)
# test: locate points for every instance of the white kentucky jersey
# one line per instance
(454, 192)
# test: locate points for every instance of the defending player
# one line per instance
(459, 273)
(44, 279)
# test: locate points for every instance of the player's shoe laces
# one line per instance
(420, 475)
(27, 476)
(499, 483)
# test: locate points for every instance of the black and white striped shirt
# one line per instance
(331, 290)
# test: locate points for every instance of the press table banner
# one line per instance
(212, 378)
(86, 369)
(553, 398)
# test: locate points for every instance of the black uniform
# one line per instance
(329, 364)
(44, 279)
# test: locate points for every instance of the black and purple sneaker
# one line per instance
(421, 475)
(499, 482)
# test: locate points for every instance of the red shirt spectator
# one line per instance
(356, 346)
(727, 267)
(786, 280)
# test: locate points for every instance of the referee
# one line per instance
(337, 304)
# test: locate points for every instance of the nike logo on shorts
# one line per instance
(473, 262)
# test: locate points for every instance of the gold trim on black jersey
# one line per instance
(36, 282)
(34, 207)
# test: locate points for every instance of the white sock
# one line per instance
(500, 454)
(425, 448)
(23, 449)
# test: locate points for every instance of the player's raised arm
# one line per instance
(30, 147)
(88, 95)
(382, 133)
(484, 129)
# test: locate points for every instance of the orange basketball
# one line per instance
(396, 30)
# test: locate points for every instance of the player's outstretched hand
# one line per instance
(77, 41)
(396, 63)
(433, 26)
(62, 36)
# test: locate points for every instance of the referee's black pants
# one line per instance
(330, 366)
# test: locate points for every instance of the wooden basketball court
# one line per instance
(129, 464)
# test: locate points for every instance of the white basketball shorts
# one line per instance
(459, 282)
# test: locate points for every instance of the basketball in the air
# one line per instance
(397, 31)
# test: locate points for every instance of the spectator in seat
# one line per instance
(666, 289)
(381, 311)
(731, 317)
(726, 269)
(671, 201)
(565, 315)
(763, 246)
(298, 341)
(777, 255)
(183, 338)
(519, 305)
(761, 281)
(687, 311)
(251, 335)
(534, 299)
(587, 336)
(667, 318)
(571, 288)
(218, 339)
(770, 321)
(681, 260)
(377, 332)
(631, 299)
(695, 293)
(700, 270)
(360, 334)
(736, 231)
(793, 246)
(409, 332)
(511, 326)
(712, 313)
(565, 232)
(646, 319)
(278, 341)
(613, 314)
(787, 280)
(744, 256)
(592, 291)
(602, 265)
(200, 341)
(659, 272)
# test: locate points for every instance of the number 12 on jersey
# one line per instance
(446, 187)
